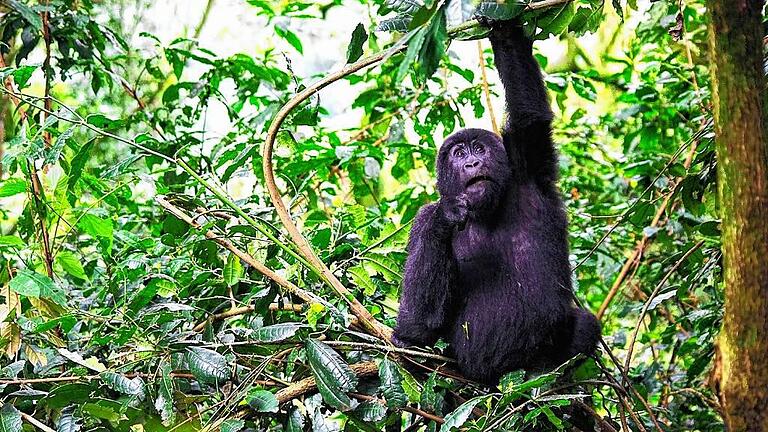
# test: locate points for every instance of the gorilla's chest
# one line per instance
(482, 252)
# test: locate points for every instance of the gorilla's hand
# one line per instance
(454, 210)
(399, 343)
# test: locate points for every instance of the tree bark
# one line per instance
(738, 90)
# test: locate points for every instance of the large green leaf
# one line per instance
(233, 270)
(371, 411)
(96, 227)
(391, 384)
(276, 332)
(262, 401)
(460, 415)
(164, 400)
(12, 187)
(500, 10)
(123, 384)
(207, 366)
(68, 422)
(71, 264)
(27, 13)
(232, 425)
(10, 419)
(31, 284)
(360, 277)
(355, 47)
(332, 374)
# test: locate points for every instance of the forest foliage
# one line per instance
(140, 294)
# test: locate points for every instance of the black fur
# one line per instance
(487, 264)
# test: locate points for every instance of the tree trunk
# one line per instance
(738, 90)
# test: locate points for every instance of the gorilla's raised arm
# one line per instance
(527, 132)
(430, 273)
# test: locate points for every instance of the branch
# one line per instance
(34, 178)
(486, 89)
(35, 422)
(261, 268)
(305, 249)
(307, 385)
(604, 425)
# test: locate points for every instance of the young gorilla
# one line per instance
(487, 265)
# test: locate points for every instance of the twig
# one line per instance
(486, 89)
(604, 425)
(35, 422)
(34, 179)
(364, 345)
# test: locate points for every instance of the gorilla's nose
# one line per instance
(472, 164)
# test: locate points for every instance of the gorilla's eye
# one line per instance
(459, 153)
(479, 149)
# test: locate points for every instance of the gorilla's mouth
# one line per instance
(479, 179)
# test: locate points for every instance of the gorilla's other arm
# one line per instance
(527, 131)
(430, 272)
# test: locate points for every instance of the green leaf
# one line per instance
(207, 366)
(67, 421)
(22, 75)
(556, 20)
(12, 187)
(11, 241)
(332, 374)
(103, 122)
(295, 422)
(383, 265)
(10, 419)
(164, 400)
(33, 284)
(78, 162)
(71, 264)
(500, 10)
(433, 49)
(290, 37)
(404, 6)
(123, 384)
(276, 332)
(391, 384)
(410, 386)
(355, 48)
(415, 41)
(460, 415)
(430, 398)
(96, 227)
(28, 14)
(399, 23)
(617, 6)
(233, 270)
(262, 401)
(371, 411)
(360, 277)
(232, 425)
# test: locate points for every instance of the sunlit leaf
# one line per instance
(31, 284)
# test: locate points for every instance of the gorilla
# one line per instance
(487, 265)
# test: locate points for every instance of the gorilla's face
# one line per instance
(473, 162)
